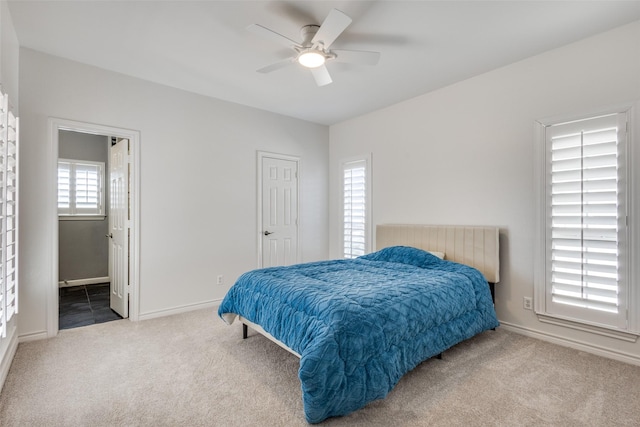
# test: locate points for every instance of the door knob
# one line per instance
(266, 233)
(110, 235)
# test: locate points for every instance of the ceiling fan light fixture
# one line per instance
(311, 58)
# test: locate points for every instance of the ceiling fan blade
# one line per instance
(334, 24)
(356, 56)
(322, 76)
(272, 35)
(295, 12)
(276, 65)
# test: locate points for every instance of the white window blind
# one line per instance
(64, 187)
(586, 202)
(355, 220)
(80, 187)
(8, 215)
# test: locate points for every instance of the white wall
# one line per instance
(9, 53)
(198, 180)
(464, 155)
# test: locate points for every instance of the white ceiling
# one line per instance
(204, 47)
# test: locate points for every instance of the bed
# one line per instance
(359, 325)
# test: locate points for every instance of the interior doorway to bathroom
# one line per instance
(96, 213)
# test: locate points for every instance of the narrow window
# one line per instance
(356, 200)
(9, 140)
(80, 188)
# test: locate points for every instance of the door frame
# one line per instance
(55, 126)
(261, 155)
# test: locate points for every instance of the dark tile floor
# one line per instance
(85, 305)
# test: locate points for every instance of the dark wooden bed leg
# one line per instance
(244, 331)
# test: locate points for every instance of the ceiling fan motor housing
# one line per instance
(306, 34)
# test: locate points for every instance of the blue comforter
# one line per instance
(360, 325)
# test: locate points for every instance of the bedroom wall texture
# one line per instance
(198, 181)
(9, 54)
(464, 155)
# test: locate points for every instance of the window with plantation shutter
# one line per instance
(64, 187)
(80, 188)
(9, 140)
(584, 220)
(356, 225)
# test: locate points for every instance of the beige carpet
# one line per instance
(193, 370)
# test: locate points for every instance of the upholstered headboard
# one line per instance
(471, 245)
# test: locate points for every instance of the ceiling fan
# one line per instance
(314, 50)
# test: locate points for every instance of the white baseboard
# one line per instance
(181, 309)
(81, 282)
(575, 344)
(7, 355)
(33, 336)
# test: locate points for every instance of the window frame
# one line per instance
(344, 165)
(9, 221)
(629, 249)
(74, 212)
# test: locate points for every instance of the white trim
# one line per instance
(260, 155)
(587, 327)
(8, 353)
(539, 253)
(595, 112)
(55, 125)
(33, 336)
(82, 282)
(633, 218)
(81, 217)
(575, 344)
(181, 309)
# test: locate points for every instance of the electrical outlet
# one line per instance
(220, 280)
(528, 303)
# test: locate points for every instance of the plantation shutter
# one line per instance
(80, 187)
(64, 187)
(355, 208)
(8, 215)
(88, 188)
(586, 204)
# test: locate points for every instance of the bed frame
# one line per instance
(476, 246)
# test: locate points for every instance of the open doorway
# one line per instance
(84, 201)
(96, 247)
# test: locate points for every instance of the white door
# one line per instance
(119, 227)
(279, 212)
